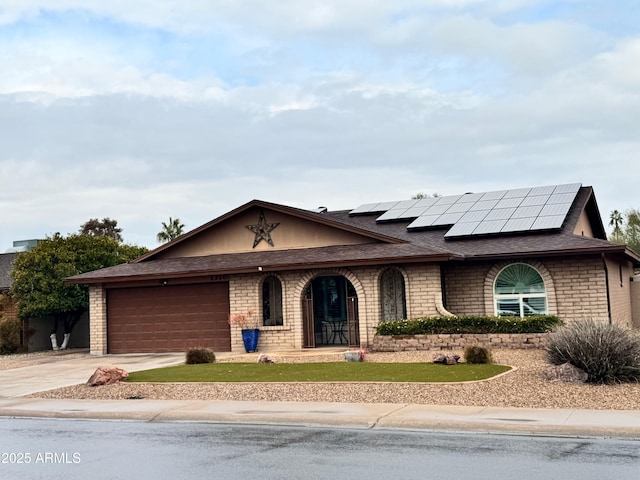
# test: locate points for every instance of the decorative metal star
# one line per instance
(262, 230)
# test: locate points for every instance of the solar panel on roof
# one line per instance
(517, 193)
(503, 211)
(494, 195)
(423, 221)
(545, 223)
(561, 198)
(509, 202)
(459, 207)
(474, 215)
(448, 218)
(393, 214)
(557, 209)
(525, 212)
(518, 224)
(500, 214)
(489, 226)
(534, 200)
(484, 205)
(548, 190)
(462, 229)
(567, 188)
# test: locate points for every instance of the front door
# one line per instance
(331, 313)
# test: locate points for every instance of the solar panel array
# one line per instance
(503, 211)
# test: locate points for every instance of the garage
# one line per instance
(170, 318)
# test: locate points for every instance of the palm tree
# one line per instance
(615, 221)
(170, 230)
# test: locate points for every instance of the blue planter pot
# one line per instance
(250, 339)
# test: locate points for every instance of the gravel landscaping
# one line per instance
(522, 387)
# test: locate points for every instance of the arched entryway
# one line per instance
(330, 312)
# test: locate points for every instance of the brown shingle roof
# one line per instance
(395, 245)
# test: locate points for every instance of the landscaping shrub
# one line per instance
(200, 355)
(477, 355)
(9, 336)
(469, 324)
(607, 353)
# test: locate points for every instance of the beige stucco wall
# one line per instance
(583, 226)
(233, 236)
(620, 274)
(576, 287)
(635, 301)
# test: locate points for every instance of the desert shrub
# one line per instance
(607, 353)
(200, 355)
(476, 354)
(469, 324)
(9, 336)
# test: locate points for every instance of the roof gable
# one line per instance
(263, 226)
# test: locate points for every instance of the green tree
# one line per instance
(170, 230)
(626, 228)
(421, 195)
(632, 229)
(105, 227)
(39, 274)
(616, 220)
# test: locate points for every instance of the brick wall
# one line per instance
(8, 307)
(576, 287)
(403, 343)
(422, 285)
(97, 320)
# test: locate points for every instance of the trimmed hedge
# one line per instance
(469, 324)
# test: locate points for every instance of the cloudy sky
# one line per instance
(143, 109)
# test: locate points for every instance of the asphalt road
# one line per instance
(80, 449)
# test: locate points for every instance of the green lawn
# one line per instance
(319, 372)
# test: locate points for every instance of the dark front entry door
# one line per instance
(331, 313)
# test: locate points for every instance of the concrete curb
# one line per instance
(573, 423)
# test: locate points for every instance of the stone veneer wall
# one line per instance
(457, 341)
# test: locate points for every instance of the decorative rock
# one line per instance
(107, 376)
(265, 359)
(446, 359)
(565, 373)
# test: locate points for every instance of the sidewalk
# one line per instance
(600, 423)
(15, 383)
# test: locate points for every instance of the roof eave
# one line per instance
(262, 268)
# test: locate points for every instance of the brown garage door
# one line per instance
(172, 318)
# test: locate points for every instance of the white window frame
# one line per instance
(519, 297)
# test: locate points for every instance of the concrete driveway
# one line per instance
(60, 372)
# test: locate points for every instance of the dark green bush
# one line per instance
(477, 355)
(200, 355)
(9, 336)
(469, 324)
(607, 353)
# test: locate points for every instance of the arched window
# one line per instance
(519, 290)
(392, 295)
(272, 301)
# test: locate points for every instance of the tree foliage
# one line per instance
(170, 230)
(105, 227)
(38, 275)
(626, 228)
